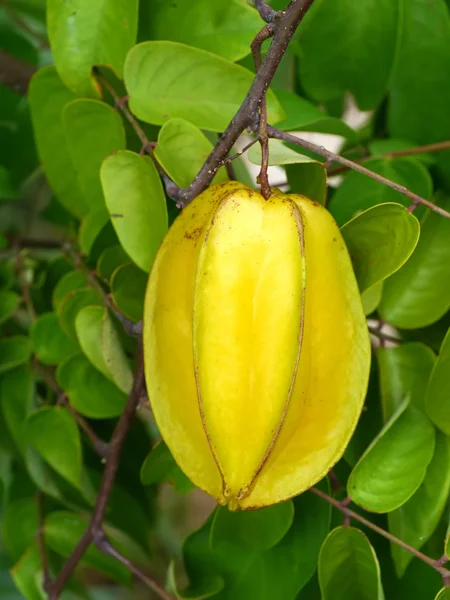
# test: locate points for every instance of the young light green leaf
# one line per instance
(279, 154)
(380, 240)
(404, 372)
(69, 282)
(363, 51)
(160, 466)
(14, 351)
(100, 343)
(348, 567)
(128, 286)
(181, 151)
(94, 130)
(193, 84)
(54, 434)
(136, 204)
(50, 343)
(88, 34)
(89, 392)
(359, 192)
(302, 115)
(47, 97)
(371, 298)
(419, 293)
(416, 520)
(16, 398)
(255, 530)
(19, 526)
(437, 399)
(27, 575)
(72, 304)
(225, 27)
(394, 465)
(8, 304)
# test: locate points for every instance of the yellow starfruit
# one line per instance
(256, 347)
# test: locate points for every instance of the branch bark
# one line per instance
(14, 73)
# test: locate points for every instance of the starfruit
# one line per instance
(256, 347)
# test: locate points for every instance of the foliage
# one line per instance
(125, 103)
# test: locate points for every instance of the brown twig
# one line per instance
(109, 474)
(350, 514)
(384, 336)
(105, 546)
(321, 151)
(285, 28)
(266, 12)
(40, 538)
(241, 152)
(15, 73)
(15, 16)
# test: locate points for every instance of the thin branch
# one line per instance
(109, 475)
(14, 73)
(40, 536)
(245, 116)
(384, 336)
(435, 564)
(105, 546)
(321, 151)
(15, 16)
(266, 13)
(18, 243)
(241, 152)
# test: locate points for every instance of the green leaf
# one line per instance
(308, 179)
(91, 227)
(93, 131)
(256, 530)
(50, 343)
(16, 398)
(168, 79)
(14, 351)
(109, 260)
(84, 34)
(63, 531)
(48, 97)
(69, 282)
(128, 286)
(348, 567)
(72, 304)
(181, 151)
(359, 192)
(89, 392)
(395, 463)
(362, 38)
(380, 240)
(136, 204)
(19, 526)
(416, 520)
(302, 115)
(371, 298)
(8, 304)
(279, 154)
(27, 575)
(419, 293)
(225, 27)
(160, 466)
(101, 344)
(54, 434)
(437, 399)
(386, 146)
(444, 594)
(404, 372)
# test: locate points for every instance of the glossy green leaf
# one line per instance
(128, 286)
(225, 27)
(359, 192)
(437, 399)
(89, 392)
(14, 351)
(168, 79)
(419, 293)
(136, 204)
(47, 97)
(16, 398)
(109, 260)
(72, 304)
(100, 342)
(348, 567)
(380, 240)
(84, 34)
(257, 530)
(51, 344)
(181, 151)
(362, 38)
(371, 298)
(54, 434)
(27, 575)
(279, 154)
(69, 282)
(94, 130)
(302, 115)
(19, 526)
(416, 520)
(63, 531)
(394, 465)
(8, 304)
(404, 372)
(160, 466)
